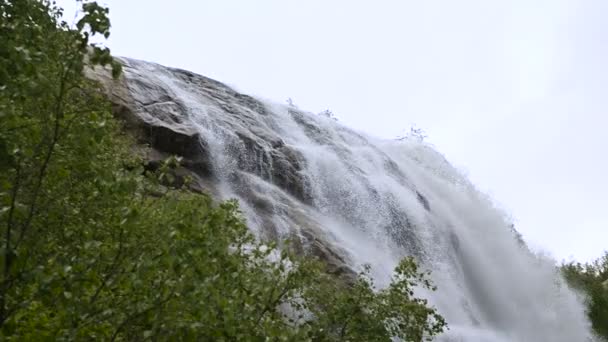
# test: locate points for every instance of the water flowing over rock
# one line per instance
(351, 199)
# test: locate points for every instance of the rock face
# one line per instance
(349, 199)
(163, 123)
(233, 145)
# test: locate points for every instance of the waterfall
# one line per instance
(305, 176)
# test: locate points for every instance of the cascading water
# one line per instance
(371, 201)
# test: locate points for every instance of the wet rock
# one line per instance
(165, 121)
(154, 118)
(335, 263)
(423, 201)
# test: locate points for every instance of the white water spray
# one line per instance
(376, 201)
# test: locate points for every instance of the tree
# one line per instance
(592, 280)
(41, 64)
(93, 246)
(360, 312)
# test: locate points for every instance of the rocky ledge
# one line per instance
(163, 126)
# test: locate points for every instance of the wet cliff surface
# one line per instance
(350, 199)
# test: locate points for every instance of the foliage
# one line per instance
(41, 64)
(592, 279)
(359, 313)
(94, 247)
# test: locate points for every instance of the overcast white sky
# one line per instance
(514, 92)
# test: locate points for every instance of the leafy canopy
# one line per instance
(592, 279)
(92, 246)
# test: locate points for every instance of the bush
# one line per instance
(93, 247)
(592, 280)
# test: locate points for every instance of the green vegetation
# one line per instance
(94, 247)
(592, 279)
